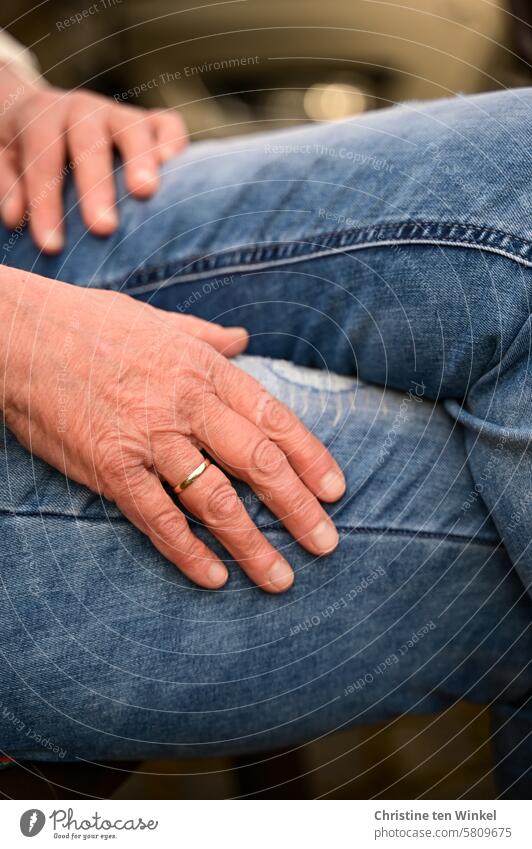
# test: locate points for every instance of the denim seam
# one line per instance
(411, 532)
(258, 256)
(361, 529)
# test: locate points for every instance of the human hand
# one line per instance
(43, 128)
(141, 392)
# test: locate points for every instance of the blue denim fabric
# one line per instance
(396, 247)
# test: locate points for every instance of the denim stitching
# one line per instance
(411, 532)
(258, 256)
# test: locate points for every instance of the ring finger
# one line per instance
(213, 500)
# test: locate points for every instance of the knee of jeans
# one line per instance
(476, 159)
(498, 403)
(504, 131)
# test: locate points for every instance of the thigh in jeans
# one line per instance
(396, 245)
(107, 651)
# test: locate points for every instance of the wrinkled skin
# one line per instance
(121, 396)
(42, 128)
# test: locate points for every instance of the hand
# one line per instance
(43, 128)
(121, 396)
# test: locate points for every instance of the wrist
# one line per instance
(22, 298)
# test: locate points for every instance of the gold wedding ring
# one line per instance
(192, 476)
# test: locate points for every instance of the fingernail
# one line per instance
(281, 576)
(217, 574)
(325, 536)
(143, 175)
(332, 485)
(52, 240)
(167, 151)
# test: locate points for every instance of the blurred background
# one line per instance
(239, 66)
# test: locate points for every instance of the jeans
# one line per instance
(382, 266)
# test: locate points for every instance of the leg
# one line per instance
(402, 244)
(107, 652)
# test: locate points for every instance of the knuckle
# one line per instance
(303, 505)
(160, 423)
(202, 408)
(35, 142)
(28, 109)
(267, 459)
(197, 358)
(273, 416)
(222, 504)
(86, 100)
(307, 510)
(169, 526)
(117, 466)
(110, 458)
(83, 107)
(225, 374)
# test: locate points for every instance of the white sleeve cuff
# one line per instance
(18, 58)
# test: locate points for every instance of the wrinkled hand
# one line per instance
(42, 129)
(121, 396)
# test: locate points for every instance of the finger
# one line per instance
(229, 341)
(152, 511)
(214, 501)
(90, 148)
(132, 136)
(43, 156)
(11, 191)
(306, 454)
(170, 133)
(254, 458)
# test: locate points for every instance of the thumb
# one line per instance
(228, 341)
